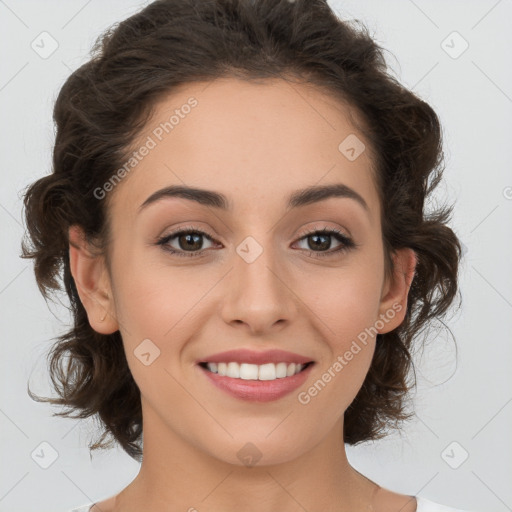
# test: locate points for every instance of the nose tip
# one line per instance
(256, 295)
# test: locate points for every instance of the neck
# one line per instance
(176, 475)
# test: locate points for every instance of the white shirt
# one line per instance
(424, 505)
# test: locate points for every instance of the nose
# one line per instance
(258, 294)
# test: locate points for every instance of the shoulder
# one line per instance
(425, 505)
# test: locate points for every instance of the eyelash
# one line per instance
(346, 242)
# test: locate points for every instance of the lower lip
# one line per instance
(258, 390)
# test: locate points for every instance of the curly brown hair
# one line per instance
(105, 103)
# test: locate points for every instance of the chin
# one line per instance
(257, 451)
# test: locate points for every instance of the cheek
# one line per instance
(348, 342)
(155, 308)
(346, 313)
(152, 300)
(165, 305)
(347, 301)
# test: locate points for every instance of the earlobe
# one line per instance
(395, 297)
(92, 282)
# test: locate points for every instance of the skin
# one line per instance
(255, 143)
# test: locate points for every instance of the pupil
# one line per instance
(319, 245)
(191, 238)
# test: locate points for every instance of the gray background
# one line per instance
(466, 401)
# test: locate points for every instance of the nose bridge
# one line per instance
(257, 294)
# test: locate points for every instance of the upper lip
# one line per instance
(255, 357)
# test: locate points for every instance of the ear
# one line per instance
(92, 282)
(393, 304)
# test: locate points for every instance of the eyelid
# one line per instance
(187, 228)
(316, 229)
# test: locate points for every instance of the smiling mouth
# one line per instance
(255, 372)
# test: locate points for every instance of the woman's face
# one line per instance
(251, 275)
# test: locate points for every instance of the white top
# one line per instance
(424, 505)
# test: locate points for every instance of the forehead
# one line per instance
(252, 141)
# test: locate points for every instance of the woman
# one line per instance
(236, 211)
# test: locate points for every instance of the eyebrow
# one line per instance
(303, 197)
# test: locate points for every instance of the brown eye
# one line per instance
(185, 242)
(320, 241)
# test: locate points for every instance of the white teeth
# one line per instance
(267, 372)
(290, 370)
(233, 370)
(221, 368)
(246, 371)
(249, 371)
(281, 370)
